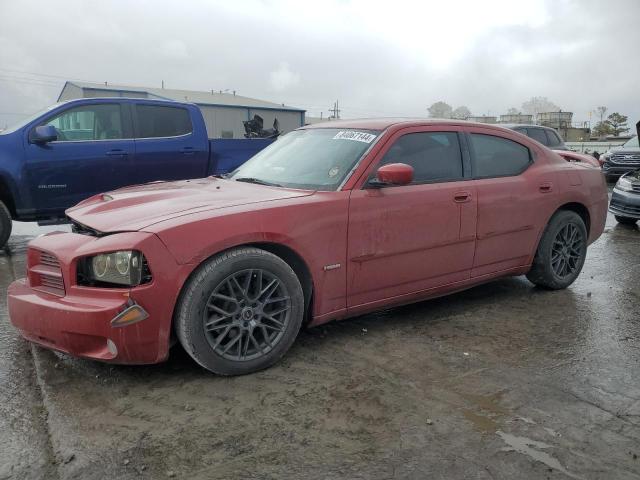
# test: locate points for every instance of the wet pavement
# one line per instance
(503, 381)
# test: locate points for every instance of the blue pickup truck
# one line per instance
(76, 149)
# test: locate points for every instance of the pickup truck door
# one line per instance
(92, 154)
(169, 144)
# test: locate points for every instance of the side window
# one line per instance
(538, 134)
(158, 121)
(497, 156)
(89, 122)
(434, 156)
(553, 138)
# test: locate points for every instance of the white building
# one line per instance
(223, 112)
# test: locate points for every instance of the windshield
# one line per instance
(314, 159)
(24, 121)
(632, 143)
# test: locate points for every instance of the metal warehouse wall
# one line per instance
(224, 119)
(222, 122)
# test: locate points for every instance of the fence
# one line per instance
(590, 147)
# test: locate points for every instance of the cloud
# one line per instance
(283, 78)
(488, 55)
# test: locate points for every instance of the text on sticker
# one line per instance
(356, 136)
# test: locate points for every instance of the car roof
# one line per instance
(385, 123)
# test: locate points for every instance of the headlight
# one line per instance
(123, 268)
(624, 184)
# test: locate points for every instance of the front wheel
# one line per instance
(561, 252)
(240, 311)
(5, 224)
(626, 220)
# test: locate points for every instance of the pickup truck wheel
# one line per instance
(240, 311)
(5, 224)
(561, 252)
(626, 220)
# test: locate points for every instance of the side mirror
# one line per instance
(43, 134)
(392, 174)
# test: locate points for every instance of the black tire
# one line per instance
(213, 303)
(626, 220)
(5, 224)
(549, 258)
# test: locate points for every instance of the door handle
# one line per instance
(461, 197)
(545, 187)
(116, 153)
(188, 151)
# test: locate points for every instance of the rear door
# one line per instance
(514, 193)
(92, 154)
(408, 239)
(167, 147)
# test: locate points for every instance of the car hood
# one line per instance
(137, 207)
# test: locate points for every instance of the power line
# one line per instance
(9, 80)
(48, 75)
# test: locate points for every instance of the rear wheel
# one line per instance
(5, 224)
(240, 312)
(561, 252)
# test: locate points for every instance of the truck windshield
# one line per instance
(24, 121)
(631, 143)
(314, 159)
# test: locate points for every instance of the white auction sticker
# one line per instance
(356, 136)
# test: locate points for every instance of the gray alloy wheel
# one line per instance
(561, 252)
(5, 224)
(240, 311)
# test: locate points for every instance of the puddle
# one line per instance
(531, 448)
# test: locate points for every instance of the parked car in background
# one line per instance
(76, 149)
(550, 138)
(625, 198)
(234, 266)
(621, 160)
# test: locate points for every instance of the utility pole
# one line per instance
(335, 111)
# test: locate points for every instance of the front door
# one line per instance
(92, 154)
(409, 239)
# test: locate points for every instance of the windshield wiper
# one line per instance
(257, 181)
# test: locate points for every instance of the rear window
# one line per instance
(158, 121)
(497, 156)
(553, 138)
(538, 134)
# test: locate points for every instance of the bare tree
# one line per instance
(537, 105)
(440, 110)
(601, 112)
(461, 113)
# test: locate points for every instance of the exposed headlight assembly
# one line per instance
(126, 268)
(624, 184)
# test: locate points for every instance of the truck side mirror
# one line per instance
(43, 134)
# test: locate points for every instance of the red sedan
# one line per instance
(330, 221)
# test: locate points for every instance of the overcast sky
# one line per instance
(377, 59)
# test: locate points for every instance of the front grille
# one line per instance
(45, 273)
(625, 208)
(625, 158)
(49, 260)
